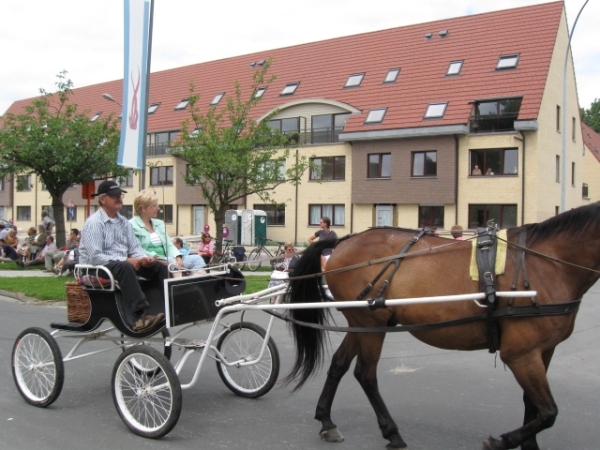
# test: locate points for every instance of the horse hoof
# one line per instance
(332, 435)
(493, 444)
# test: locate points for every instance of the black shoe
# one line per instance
(147, 322)
(19, 263)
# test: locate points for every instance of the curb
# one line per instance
(18, 296)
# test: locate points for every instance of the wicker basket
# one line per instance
(78, 303)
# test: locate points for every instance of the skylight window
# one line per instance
(182, 104)
(289, 88)
(435, 110)
(354, 80)
(260, 92)
(217, 99)
(153, 107)
(376, 115)
(454, 68)
(392, 76)
(507, 62)
(95, 117)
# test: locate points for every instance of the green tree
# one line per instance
(60, 145)
(591, 116)
(230, 155)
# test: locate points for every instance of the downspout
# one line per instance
(296, 206)
(456, 179)
(522, 179)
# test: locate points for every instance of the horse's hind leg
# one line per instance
(366, 374)
(340, 363)
(540, 408)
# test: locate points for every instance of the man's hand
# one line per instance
(147, 261)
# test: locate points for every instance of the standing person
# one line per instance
(206, 247)
(324, 234)
(107, 239)
(152, 234)
(48, 222)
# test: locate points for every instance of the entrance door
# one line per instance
(198, 219)
(384, 215)
(247, 234)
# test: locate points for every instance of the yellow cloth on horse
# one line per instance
(500, 256)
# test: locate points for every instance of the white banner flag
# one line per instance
(135, 79)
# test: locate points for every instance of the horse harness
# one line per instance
(486, 250)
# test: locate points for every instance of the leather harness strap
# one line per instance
(486, 262)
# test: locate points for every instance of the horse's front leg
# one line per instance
(366, 374)
(340, 364)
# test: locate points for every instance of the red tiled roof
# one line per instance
(323, 67)
(591, 139)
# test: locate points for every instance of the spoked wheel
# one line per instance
(37, 367)
(242, 343)
(254, 262)
(161, 347)
(148, 400)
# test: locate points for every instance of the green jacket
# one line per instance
(143, 236)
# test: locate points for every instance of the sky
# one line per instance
(40, 38)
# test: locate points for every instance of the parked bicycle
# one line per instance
(260, 253)
(226, 255)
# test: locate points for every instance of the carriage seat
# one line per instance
(98, 278)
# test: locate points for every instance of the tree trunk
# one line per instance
(58, 210)
(219, 222)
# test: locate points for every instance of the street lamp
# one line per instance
(110, 98)
(563, 184)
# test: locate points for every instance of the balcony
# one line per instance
(154, 150)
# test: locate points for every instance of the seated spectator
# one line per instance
(37, 243)
(206, 247)
(41, 255)
(54, 257)
(289, 261)
(67, 264)
(178, 243)
(152, 234)
(12, 238)
(489, 171)
(7, 252)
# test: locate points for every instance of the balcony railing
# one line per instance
(158, 149)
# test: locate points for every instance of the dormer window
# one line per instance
(376, 115)
(507, 62)
(289, 88)
(182, 104)
(435, 110)
(96, 116)
(392, 76)
(454, 68)
(354, 80)
(153, 107)
(259, 92)
(217, 99)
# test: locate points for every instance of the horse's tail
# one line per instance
(305, 288)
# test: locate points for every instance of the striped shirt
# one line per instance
(105, 239)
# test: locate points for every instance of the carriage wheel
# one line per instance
(166, 350)
(243, 341)
(253, 261)
(37, 367)
(148, 401)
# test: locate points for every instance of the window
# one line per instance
(1, 184)
(162, 175)
(126, 211)
(182, 104)
(392, 76)
(259, 92)
(573, 128)
(275, 213)
(217, 99)
(585, 191)
(557, 169)
(424, 164)
(505, 216)
(160, 143)
(376, 115)
(289, 127)
(127, 180)
(431, 217)
(332, 168)
(336, 213)
(435, 110)
(495, 115)
(454, 68)
(327, 127)
(96, 116)
(504, 161)
(380, 165)
(24, 213)
(153, 107)
(572, 174)
(507, 62)
(166, 213)
(71, 213)
(24, 183)
(558, 118)
(354, 80)
(275, 169)
(290, 88)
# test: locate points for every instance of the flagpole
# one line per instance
(147, 93)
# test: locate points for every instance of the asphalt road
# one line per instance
(440, 399)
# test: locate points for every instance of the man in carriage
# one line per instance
(107, 239)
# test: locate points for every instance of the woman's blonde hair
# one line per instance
(144, 199)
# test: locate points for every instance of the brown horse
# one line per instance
(559, 255)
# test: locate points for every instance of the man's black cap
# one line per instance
(110, 188)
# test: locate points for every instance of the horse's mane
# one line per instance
(576, 222)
